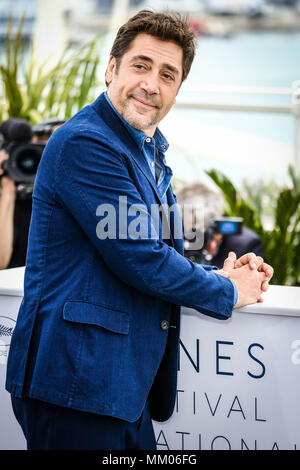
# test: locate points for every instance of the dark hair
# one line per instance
(165, 26)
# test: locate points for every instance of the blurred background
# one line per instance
(248, 44)
(236, 124)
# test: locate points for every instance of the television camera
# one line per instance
(224, 226)
(24, 155)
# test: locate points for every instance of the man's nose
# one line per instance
(150, 84)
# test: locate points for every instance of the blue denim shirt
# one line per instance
(153, 149)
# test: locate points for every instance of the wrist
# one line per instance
(8, 188)
(8, 195)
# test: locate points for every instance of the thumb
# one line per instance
(222, 272)
(229, 261)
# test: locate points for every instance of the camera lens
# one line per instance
(23, 161)
(28, 161)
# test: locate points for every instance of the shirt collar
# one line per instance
(139, 136)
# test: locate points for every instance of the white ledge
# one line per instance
(12, 282)
(278, 300)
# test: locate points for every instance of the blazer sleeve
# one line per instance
(89, 174)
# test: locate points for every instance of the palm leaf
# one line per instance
(18, 49)
(39, 92)
(281, 244)
(226, 186)
(287, 205)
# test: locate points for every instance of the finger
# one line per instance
(265, 286)
(248, 258)
(267, 269)
(263, 277)
(229, 262)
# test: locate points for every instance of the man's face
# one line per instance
(214, 245)
(144, 86)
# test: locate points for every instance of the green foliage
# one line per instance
(33, 91)
(281, 241)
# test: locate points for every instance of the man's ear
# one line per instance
(110, 69)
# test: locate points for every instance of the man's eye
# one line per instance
(168, 77)
(139, 66)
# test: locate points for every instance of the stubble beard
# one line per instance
(140, 122)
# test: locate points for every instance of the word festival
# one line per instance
(231, 410)
(184, 440)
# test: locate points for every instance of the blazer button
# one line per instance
(164, 325)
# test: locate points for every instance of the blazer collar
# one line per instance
(111, 118)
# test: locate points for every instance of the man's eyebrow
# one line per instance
(141, 57)
(171, 68)
(148, 59)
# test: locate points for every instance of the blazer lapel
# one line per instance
(175, 222)
(108, 115)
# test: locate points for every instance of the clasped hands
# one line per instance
(250, 274)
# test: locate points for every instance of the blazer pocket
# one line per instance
(97, 315)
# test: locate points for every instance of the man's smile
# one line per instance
(144, 102)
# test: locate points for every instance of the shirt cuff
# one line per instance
(235, 291)
(235, 295)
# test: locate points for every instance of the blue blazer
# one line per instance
(98, 327)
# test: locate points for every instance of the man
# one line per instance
(207, 202)
(94, 353)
